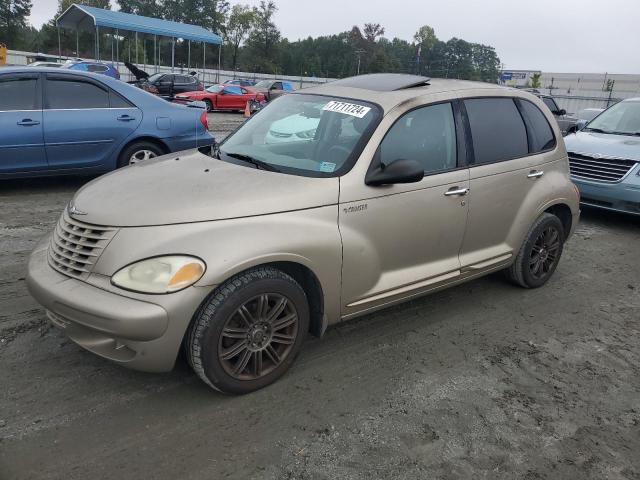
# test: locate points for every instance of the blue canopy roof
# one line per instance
(82, 17)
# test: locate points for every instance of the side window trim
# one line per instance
(529, 127)
(38, 78)
(72, 78)
(471, 153)
(461, 162)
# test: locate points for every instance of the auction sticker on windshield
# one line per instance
(352, 109)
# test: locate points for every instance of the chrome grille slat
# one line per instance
(606, 170)
(75, 246)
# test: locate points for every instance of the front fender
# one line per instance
(308, 237)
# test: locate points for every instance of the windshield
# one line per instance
(308, 135)
(155, 77)
(263, 84)
(622, 119)
(215, 88)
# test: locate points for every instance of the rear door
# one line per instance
(507, 182)
(85, 122)
(21, 134)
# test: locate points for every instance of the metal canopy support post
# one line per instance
(59, 46)
(189, 55)
(112, 47)
(155, 58)
(144, 53)
(117, 47)
(173, 52)
(77, 44)
(204, 61)
(97, 43)
(219, 57)
(136, 48)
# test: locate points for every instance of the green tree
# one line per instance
(145, 8)
(264, 37)
(241, 19)
(13, 19)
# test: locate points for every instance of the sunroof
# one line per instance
(384, 82)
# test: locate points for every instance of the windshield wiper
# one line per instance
(253, 161)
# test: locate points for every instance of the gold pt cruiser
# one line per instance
(332, 202)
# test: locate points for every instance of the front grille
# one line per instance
(607, 169)
(75, 246)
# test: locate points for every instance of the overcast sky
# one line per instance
(548, 35)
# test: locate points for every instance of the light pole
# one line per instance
(358, 53)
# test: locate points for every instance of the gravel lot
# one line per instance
(484, 380)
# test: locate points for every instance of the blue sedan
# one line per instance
(66, 122)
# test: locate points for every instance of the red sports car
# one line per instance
(223, 97)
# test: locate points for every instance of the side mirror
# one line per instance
(562, 111)
(400, 171)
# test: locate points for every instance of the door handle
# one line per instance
(535, 174)
(456, 191)
(27, 122)
(126, 118)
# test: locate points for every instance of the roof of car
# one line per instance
(391, 89)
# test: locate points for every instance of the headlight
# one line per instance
(307, 134)
(160, 275)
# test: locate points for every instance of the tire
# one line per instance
(540, 253)
(143, 150)
(209, 105)
(235, 349)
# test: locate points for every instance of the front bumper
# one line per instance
(140, 333)
(621, 197)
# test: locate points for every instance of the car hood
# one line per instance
(590, 143)
(193, 187)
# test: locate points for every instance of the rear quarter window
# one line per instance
(541, 136)
(497, 129)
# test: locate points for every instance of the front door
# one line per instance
(402, 240)
(21, 135)
(231, 98)
(85, 122)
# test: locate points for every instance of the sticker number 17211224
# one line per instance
(352, 109)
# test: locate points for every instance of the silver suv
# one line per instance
(393, 187)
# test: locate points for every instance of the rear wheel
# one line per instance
(209, 105)
(139, 152)
(540, 253)
(249, 332)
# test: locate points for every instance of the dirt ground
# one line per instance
(484, 380)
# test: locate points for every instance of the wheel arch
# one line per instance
(145, 138)
(302, 274)
(563, 212)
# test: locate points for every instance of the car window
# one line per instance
(233, 90)
(97, 68)
(214, 88)
(18, 94)
(287, 86)
(540, 133)
(155, 77)
(117, 101)
(426, 135)
(244, 91)
(277, 85)
(497, 129)
(550, 103)
(68, 94)
(83, 67)
(182, 79)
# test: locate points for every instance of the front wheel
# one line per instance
(248, 333)
(540, 253)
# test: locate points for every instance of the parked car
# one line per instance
(170, 84)
(273, 88)
(604, 158)
(242, 82)
(56, 121)
(564, 121)
(236, 256)
(46, 64)
(223, 97)
(93, 67)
